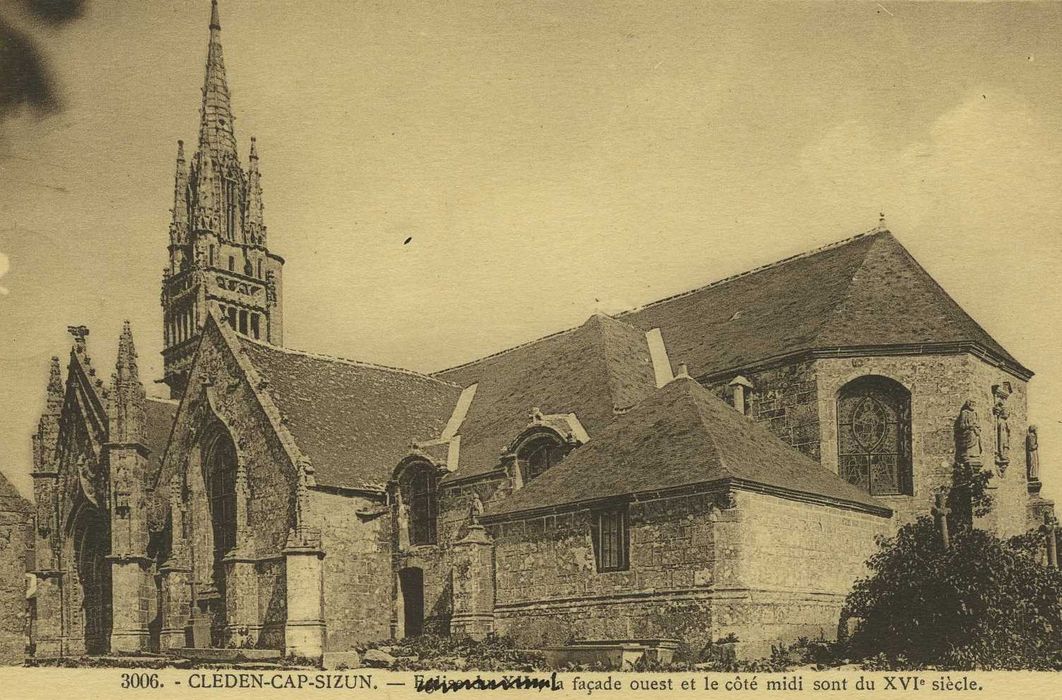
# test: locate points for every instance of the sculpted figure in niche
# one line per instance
(1002, 433)
(968, 434)
(1032, 455)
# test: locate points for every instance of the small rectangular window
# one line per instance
(611, 539)
(232, 264)
(243, 322)
(255, 329)
(212, 255)
(259, 269)
(232, 318)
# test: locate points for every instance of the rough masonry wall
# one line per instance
(794, 563)
(357, 568)
(939, 386)
(548, 590)
(437, 561)
(14, 534)
(785, 400)
(265, 509)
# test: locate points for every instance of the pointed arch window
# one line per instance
(874, 436)
(419, 492)
(221, 493)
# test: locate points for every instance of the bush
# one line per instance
(982, 603)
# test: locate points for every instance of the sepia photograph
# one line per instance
(587, 346)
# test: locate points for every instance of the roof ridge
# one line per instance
(692, 385)
(526, 343)
(341, 360)
(840, 304)
(777, 263)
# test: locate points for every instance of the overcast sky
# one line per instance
(548, 159)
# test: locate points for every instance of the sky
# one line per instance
(548, 159)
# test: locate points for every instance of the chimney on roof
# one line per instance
(658, 355)
(740, 387)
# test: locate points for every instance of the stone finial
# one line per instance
(79, 333)
(536, 415)
(125, 367)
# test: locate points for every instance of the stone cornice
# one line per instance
(956, 348)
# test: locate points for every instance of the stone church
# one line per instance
(714, 463)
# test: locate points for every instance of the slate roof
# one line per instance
(681, 436)
(11, 501)
(593, 371)
(354, 421)
(158, 422)
(865, 291)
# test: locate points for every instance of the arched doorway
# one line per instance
(219, 464)
(92, 544)
(411, 581)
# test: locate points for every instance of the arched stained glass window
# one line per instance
(874, 435)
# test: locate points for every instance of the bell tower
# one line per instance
(218, 246)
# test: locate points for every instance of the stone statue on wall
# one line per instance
(1001, 392)
(1032, 455)
(475, 509)
(968, 435)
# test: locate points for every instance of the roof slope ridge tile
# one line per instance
(342, 360)
(843, 300)
(273, 414)
(761, 268)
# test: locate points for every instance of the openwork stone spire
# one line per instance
(216, 132)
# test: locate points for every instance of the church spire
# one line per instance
(216, 133)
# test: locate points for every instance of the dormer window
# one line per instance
(539, 454)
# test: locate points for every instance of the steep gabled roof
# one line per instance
(354, 421)
(681, 436)
(865, 291)
(596, 370)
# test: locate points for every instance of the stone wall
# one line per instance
(701, 567)
(794, 563)
(14, 537)
(219, 399)
(548, 590)
(785, 400)
(357, 568)
(939, 385)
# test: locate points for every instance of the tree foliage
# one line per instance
(982, 603)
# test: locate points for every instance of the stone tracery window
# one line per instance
(874, 435)
(419, 488)
(221, 493)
